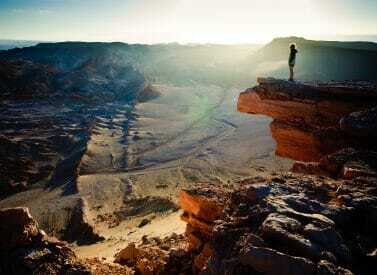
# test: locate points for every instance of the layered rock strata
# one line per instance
(311, 121)
(202, 207)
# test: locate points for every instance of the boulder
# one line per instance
(350, 163)
(202, 206)
(361, 124)
(257, 191)
(352, 170)
(128, 255)
(327, 268)
(285, 233)
(272, 262)
(254, 240)
(329, 239)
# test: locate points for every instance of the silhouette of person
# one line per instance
(292, 60)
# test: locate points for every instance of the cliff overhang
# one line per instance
(313, 120)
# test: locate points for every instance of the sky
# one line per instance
(185, 21)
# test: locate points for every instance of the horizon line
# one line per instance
(201, 43)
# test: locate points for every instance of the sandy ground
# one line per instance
(127, 232)
(196, 134)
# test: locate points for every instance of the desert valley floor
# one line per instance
(184, 136)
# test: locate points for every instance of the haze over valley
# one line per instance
(129, 120)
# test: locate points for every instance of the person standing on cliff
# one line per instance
(292, 60)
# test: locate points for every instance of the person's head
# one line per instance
(292, 46)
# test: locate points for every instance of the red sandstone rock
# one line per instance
(202, 206)
(312, 120)
(303, 143)
(193, 238)
(201, 260)
(205, 204)
(351, 163)
(290, 224)
(320, 105)
(200, 226)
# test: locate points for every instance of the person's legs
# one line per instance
(291, 73)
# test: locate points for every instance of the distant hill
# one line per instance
(164, 63)
(355, 45)
(11, 44)
(350, 37)
(318, 60)
(225, 65)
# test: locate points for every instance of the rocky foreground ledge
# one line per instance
(287, 225)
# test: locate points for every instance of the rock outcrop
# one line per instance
(290, 224)
(157, 256)
(362, 124)
(314, 120)
(202, 207)
(181, 254)
(313, 104)
(25, 249)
